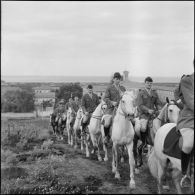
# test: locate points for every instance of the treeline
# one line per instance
(68, 90)
(18, 100)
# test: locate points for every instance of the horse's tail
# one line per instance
(153, 164)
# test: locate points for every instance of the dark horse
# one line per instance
(58, 123)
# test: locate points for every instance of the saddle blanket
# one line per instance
(171, 144)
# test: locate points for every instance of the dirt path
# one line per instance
(84, 170)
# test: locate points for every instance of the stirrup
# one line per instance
(185, 181)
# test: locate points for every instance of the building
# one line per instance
(44, 100)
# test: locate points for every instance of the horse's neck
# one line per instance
(97, 111)
(162, 115)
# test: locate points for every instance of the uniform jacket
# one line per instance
(113, 94)
(146, 102)
(89, 104)
(185, 91)
(76, 106)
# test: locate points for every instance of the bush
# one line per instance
(18, 101)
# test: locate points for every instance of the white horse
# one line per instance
(123, 133)
(69, 125)
(158, 160)
(95, 129)
(169, 113)
(77, 126)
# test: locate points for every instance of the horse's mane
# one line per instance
(163, 115)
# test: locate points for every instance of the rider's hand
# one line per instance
(150, 111)
(114, 103)
(86, 113)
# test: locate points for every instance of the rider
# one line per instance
(148, 104)
(69, 103)
(185, 123)
(60, 108)
(76, 104)
(89, 102)
(112, 97)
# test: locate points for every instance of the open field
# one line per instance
(31, 163)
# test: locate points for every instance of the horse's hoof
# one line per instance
(132, 185)
(87, 155)
(106, 159)
(92, 152)
(100, 158)
(137, 171)
(113, 170)
(166, 187)
(117, 175)
(122, 160)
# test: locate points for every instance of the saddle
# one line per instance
(172, 144)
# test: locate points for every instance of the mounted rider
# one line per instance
(148, 104)
(185, 124)
(112, 98)
(60, 108)
(76, 104)
(89, 103)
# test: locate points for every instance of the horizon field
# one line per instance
(98, 79)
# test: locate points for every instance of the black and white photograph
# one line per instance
(97, 97)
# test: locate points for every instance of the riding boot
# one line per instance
(143, 139)
(185, 159)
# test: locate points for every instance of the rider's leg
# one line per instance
(188, 143)
(143, 129)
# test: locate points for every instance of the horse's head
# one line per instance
(80, 113)
(71, 114)
(172, 111)
(64, 115)
(127, 103)
(103, 107)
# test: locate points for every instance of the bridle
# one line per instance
(99, 117)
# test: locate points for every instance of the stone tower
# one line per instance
(126, 75)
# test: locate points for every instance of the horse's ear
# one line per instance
(167, 99)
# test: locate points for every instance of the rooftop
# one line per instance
(45, 95)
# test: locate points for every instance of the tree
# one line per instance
(17, 101)
(68, 90)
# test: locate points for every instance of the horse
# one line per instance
(158, 160)
(61, 124)
(77, 126)
(92, 130)
(71, 115)
(169, 113)
(53, 122)
(123, 133)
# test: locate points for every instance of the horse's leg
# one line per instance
(113, 159)
(160, 174)
(75, 137)
(68, 131)
(82, 138)
(95, 146)
(132, 165)
(117, 175)
(98, 147)
(105, 150)
(86, 146)
(135, 140)
(122, 154)
(176, 179)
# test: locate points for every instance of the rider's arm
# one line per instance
(141, 105)
(188, 92)
(83, 104)
(158, 103)
(107, 97)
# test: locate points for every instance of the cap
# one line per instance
(117, 75)
(90, 87)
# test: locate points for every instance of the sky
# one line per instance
(71, 38)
